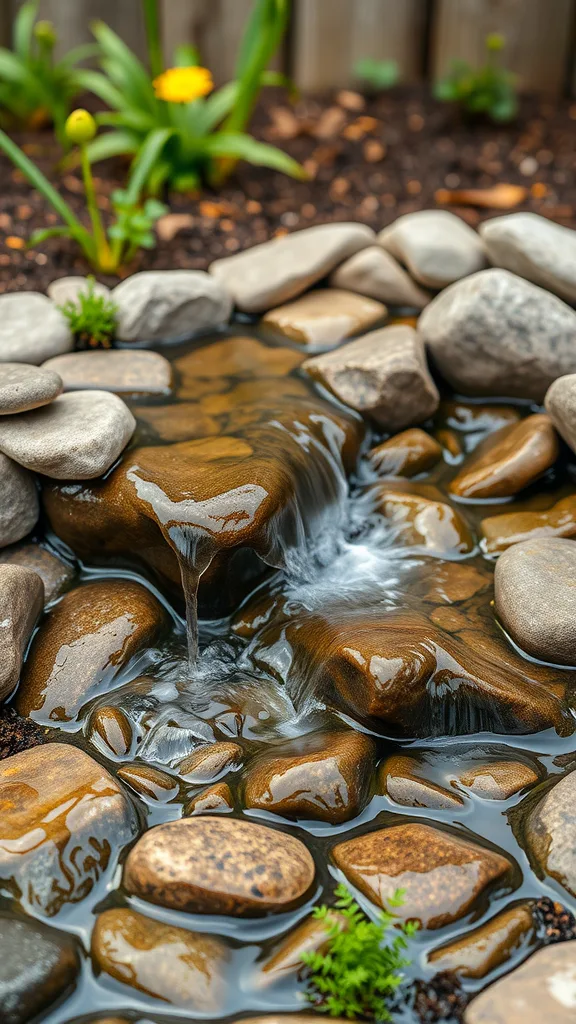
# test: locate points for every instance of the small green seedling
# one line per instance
(377, 74)
(489, 90)
(92, 318)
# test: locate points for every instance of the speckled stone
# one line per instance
(406, 454)
(24, 387)
(216, 799)
(55, 573)
(477, 952)
(508, 460)
(37, 966)
(21, 602)
(542, 989)
(498, 780)
(548, 830)
(402, 779)
(207, 764)
(139, 372)
(219, 866)
(19, 504)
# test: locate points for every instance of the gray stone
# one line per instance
(383, 375)
(37, 965)
(19, 505)
(32, 329)
(541, 989)
(276, 271)
(496, 334)
(169, 305)
(535, 248)
(560, 402)
(67, 289)
(21, 601)
(436, 246)
(118, 370)
(375, 273)
(24, 387)
(536, 598)
(52, 570)
(548, 832)
(77, 437)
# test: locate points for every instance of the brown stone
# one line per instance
(117, 370)
(38, 965)
(217, 799)
(502, 531)
(184, 968)
(21, 602)
(111, 730)
(406, 454)
(548, 831)
(541, 989)
(149, 782)
(184, 421)
(324, 317)
(285, 960)
(476, 953)
(402, 779)
(474, 421)
(418, 516)
(52, 570)
(211, 369)
(508, 460)
(219, 866)
(443, 875)
(206, 764)
(499, 779)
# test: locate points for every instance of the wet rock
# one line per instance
(37, 966)
(279, 270)
(117, 370)
(374, 272)
(443, 875)
(502, 531)
(549, 832)
(535, 248)
(475, 422)
(111, 731)
(324, 317)
(32, 329)
(207, 371)
(219, 866)
(496, 334)
(406, 454)
(83, 643)
(67, 289)
(285, 959)
(77, 437)
(436, 246)
(498, 780)
(217, 799)
(52, 570)
(169, 305)
(17, 733)
(150, 783)
(402, 779)
(541, 989)
(184, 968)
(508, 460)
(322, 777)
(284, 1018)
(24, 387)
(560, 402)
(19, 505)
(420, 517)
(185, 421)
(63, 821)
(207, 764)
(483, 949)
(382, 375)
(21, 601)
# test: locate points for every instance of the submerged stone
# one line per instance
(502, 531)
(476, 953)
(407, 454)
(312, 936)
(37, 966)
(418, 516)
(508, 460)
(498, 780)
(216, 799)
(209, 762)
(402, 778)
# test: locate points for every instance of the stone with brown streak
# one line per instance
(473, 422)
(483, 949)
(406, 454)
(111, 731)
(21, 602)
(150, 783)
(322, 318)
(376, 273)
(285, 959)
(54, 572)
(139, 372)
(502, 531)
(498, 780)
(548, 832)
(508, 460)
(207, 764)
(418, 516)
(219, 866)
(217, 799)
(541, 989)
(402, 779)
(185, 421)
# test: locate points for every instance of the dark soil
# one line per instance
(440, 999)
(369, 160)
(556, 923)
(17, 734)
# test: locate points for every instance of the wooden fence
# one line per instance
(327, 36)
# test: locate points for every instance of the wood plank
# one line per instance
(214, 26)
(72, 21)
(538, 37)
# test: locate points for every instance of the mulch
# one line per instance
(370, 159)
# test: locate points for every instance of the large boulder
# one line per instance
(535, 248)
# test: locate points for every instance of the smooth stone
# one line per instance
(32, 329)
(312, 936)
(84, 641)
(502, 531)
(401, 778)
(474, 422)
(63, 821)
(548, 831)
(276, 271)
(508, 460)
(443, 875)
(436, 246)
(169, 305)
(77, 437)
(496, 334)
(21, 602)
(37, 966)
(324, 317)
(67, 289)
(320, 777)
(184, 421)
(52, 570)
(535, 598)
(375, 273)
(498, 780)
(219, 866)
(406, 454)
(534, 248)
(183, 968)
(541, 989)
(382, 375)
(150, 783)
(217, 799)
(476, 953)
(418, 517)
(560, 403)
(111, 731)
(138, 372)
(19, 503)
(207, 764)
(24, 387)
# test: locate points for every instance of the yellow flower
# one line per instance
(182, 85)
(80, 127)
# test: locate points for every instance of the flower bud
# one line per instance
(495, 42)
(45, 33)
(80, 127)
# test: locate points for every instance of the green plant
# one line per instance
(490, 89)
(358, 972)
(92, 318)
(35, 88)
(378, 74)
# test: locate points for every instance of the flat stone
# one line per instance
(321, 777)
(382, 375)
(560, 402)
(21, 602)
(419, 517)
(84, 641)
(496, 334)
(219, 866)
(138, 372)
(216, 799)
(284, 961)
(152, 784)
(323, 317)
(32, 329)
(64, 820)
(406, 454)
(548, 831)
(277, 271)
(375, 273)
(541, 989)
(535, 248)
(37, 966)
(169, 305)
(535, 598)
(443, 875)
(502, 531)
(476, 953)
(24, 387)
(52, 570)
(436, 246)
(77, 437)
(183, 968)
(209, 763)
(498, 780)
(19, 504)
(402, 779)
(67, 289)
(508, 460)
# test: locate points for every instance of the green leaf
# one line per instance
(111, 144)
(79, 53)
(145, 161)
(380, 74)
(101, 86)
(24, 28)
(43, 233)
(186, 56)
(13, 69)
(123, 67)
(243, 147)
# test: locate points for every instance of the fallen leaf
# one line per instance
(168, 226)
(499, 197)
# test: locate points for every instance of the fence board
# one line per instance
(72, 20)
(214, 26)
(538, 35)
